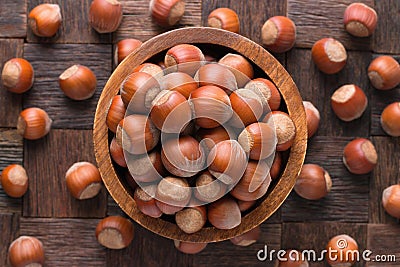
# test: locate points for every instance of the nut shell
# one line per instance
(185, 58)
(78, 82)
(224, 18)
(248, 238)
(341, 245)
(313, 182)
(180, 82)
(384, 73)
(105, 16)
(191, 219)
(17, 75)
(360, 20)
(188, 247)
(247, 107)
(268, 93)
(360, 156)
(284, 128)
(329, 55)
(116, 113)
(174, 192)
(390, 119)
(26, 251)
(224, 213)
(167, 12)
(115, 232)
(349, 102)
(117, 153)
(145, 200)
(146, 168)
(33, 123)
(391, 200)
(240, 67)
(83, 180)
(124, 47)
(313, 118)
(278, 34)
(217, 75)
(208, 189)
(45, 19)
(14, 180)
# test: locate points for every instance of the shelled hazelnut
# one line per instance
(313, 118)
(247, 108)
(26, 251)
(240, 67)
(17, 75)
(329, 55)
(116, 113)
(145, 200)
(359, 156)
(83, 180)
(167, 13)
(78, 82)
(349, 102)
(292, 258)
(45, 19)
(185, 58)
(269, 94)
(278, 34)
(384, 73)
(105, 16)
(33, 123)
(208, 189)
(14, 180)
(284, 127)
(390, 119)
(115, 232)
(224, 18)
(341, 250)
(360, 20)
(124, 47)
(313, 182)
(224, 213)
(259, 140)
(192, 218)
(248, 238)
(391, 200)
(188, 247)
(146, 168)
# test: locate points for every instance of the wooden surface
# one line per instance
(66, 226)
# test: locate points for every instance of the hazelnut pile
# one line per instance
(198, 137)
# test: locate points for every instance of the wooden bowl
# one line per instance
(260, 57)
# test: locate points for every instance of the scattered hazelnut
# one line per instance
(14, 180)
(269, 94)
(292, 258)
(248, 238)
(360, 20)
(26, 251)
(167, 13)
(341, 250)
(360, 156)
(313, 118)
(224, 213)
(45, 19)
(188, 247)
(240, 67)
(124, 47)
(329, 55)
(33, 123)
(17, 75)
(115, 232)
(137, 134)
(259, 140)
(172, 194)
(116, 113)
(227, 161)
(390, 119)
(384, 73)
(180, 82)
(117, 153)
(211, 106)
(78, 82)
(247, 108)
(284, 128)
(217, 75)
(105, 16)
(349, 102)
(83, 180)
(208, 189)
(191, 219)
(145, 200)
(278, 34)
(185, 58)
(313, 182)
(391, 200)
(146, 168)
(224, 18)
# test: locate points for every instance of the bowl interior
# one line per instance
(266, 63)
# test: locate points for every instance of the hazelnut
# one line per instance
(268, 93)
(78, 82)
(329, 55)
(45, 19)
(384, 73)
(284, 127)
(313, 182)
(210, 137)
(185, 58)
(83, 180)
(167, 13)
(247, 107)
(224, 18)
(146, 168)
(248, 238)
(278, 34)
(188, 247)
(313, 118)
(17, 75)
(172, 194)
(341, 250)
(360, 20)
(349, 102)
(124, 47)
(217, 75)
(276, 166)
(26, 251)
(391, 200)
(117, 153)
(208, 189)
(145, 200)
(191, 219)
(246, 205)
(292, 258)
(390, 119)
(240, 67)
(360, 156)
(115, 232)
(33, 123)
(14, 180)
(154, 70)
(105, 16)
(224, 213)
(116, 113)
(180, 82)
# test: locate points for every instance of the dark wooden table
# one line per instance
(66, 226)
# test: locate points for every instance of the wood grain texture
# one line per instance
(388, 28)
(383, 240)
(13, 18)
(316, 235)
(347, 200)
(148, 249)
(66, 242)
(258, 56)
(319, 19)
(379, 100)
(318, 88)
(137, 22)
(47, 161)
(49, 61)
(9, 227)
(227, 254)
(10, 104)
(386, 173)
(11, 152)
(75, 27)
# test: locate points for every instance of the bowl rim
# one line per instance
(260, 57)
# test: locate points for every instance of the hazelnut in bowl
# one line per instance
(207, 148)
